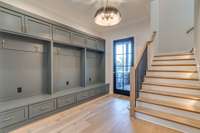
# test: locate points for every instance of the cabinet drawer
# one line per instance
(11, 21)
(98, 91)
(41, 108)
(91, 44)
(65, 101)
(101, 46)
(14, 116)
(101, 90)
(78, 40)
(91, 93)
(82, 96)
(61, 35)
(37, 28)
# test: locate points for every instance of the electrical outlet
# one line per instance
(19, 90)
(67, 83)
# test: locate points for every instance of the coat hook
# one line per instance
(3, 43)
(36, 49)
(58, 51)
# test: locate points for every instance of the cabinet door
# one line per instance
(11, 21)
(41, 108)
(37, 28)
(13, 116)
(101, 46)
(91, 44)
(61, 35)
(65, 101)
(78, 40)
(82, 96)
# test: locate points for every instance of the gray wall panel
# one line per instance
(21, 66)
(95, 68)
(67, 67)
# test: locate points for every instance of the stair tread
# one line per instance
(168, 77)
(175, 105)
(170, 117)
(191, 64)
(186, 59)
(173, 54)
(173, 94)
(179, 71)
(174, 85)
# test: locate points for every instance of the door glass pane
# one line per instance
(119, 60)
(119, 48)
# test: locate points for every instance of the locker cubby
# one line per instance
(66, 67)
(95, 67)
(23, 67)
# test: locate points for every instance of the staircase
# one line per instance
(170, 94)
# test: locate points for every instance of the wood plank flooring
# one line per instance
(107, 114)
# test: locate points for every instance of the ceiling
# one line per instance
(81, 12)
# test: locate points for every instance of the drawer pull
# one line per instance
(8, 119)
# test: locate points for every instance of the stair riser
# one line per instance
(170, 99)
(177, 112)
(173, 62)
(173, 75)
(174, 68)
(168, 124)
(172, 89)
(174, 57)
(172, 81)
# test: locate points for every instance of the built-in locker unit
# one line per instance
(45, 67)
(95, 70)
(67, 67)
(23, 67)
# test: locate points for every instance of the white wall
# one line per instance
(141, 33)
(176, 17)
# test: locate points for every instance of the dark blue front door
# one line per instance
(123, 61)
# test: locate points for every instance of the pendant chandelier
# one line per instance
(107, 16)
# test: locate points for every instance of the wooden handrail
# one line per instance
(146, 45)
(133, 77)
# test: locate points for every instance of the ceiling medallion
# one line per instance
(107, 16)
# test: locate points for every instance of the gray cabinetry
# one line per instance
(37, 28)
(91, 44)
(41, 108)
(78, 40)
(11, 21)
(61, 35)
(65, 101)
(14, 116)
(100, 45)
(82, 96)
(45, 66)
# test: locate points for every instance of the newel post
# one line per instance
(132, 93)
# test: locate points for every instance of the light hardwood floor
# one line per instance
(107, 114)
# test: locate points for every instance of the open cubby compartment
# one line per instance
(23, 67)
(95, 67)
(67, 67)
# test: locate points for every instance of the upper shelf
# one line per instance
(20, 24)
